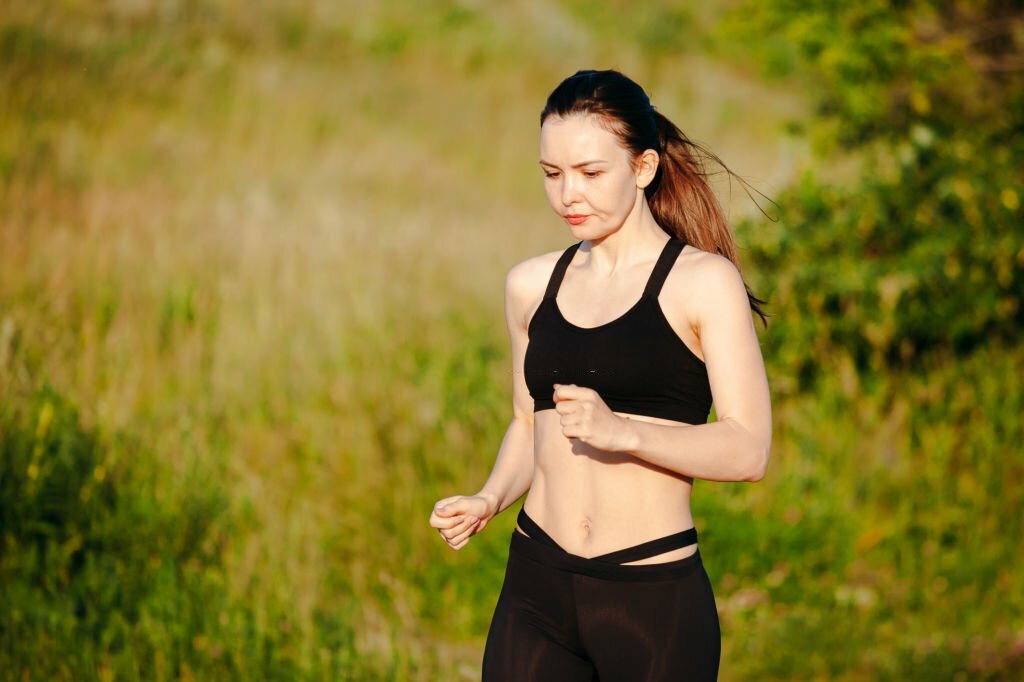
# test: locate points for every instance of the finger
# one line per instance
(460, 541)
(445, 523)
(463, 534)
(443, 510)
(571, 392)
(570, 418)
(451, 506)
(449, 516)
(442, 502)
(558, 392)
(566, 406)
(455, 535)
(573, 430)
(457, 526)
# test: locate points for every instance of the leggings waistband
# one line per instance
(540, 547)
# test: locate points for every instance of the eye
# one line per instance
(551, 174)
(591, 174)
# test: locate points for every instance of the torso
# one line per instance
(591, 501)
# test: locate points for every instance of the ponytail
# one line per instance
(680, 197)
(683, 203)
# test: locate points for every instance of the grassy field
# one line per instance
(251, 260)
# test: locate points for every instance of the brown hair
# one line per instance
(680, 196)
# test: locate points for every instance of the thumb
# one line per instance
(564, 392)
(449, 508)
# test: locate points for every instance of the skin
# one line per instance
(599, 480)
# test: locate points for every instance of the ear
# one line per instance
(646, 165)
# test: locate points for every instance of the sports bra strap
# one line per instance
(673, 247)
(559, 272)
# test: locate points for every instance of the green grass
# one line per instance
(250, 330)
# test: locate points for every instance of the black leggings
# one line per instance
(566, 618)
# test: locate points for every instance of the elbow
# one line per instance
(757, 464)
(752, 452)
(754, 476)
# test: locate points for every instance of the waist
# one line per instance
(594, 501)
(542, 549)
(597, 520)
(638, 552)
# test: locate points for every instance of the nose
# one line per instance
(570, 192)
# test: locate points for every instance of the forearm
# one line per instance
(513, 469)
(723, 450)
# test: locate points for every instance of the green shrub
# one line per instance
(923, 251)
(106, 561)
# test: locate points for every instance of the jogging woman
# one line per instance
(620, 344)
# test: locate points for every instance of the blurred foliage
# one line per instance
(883, 547)
(659, 28)
(894, 352)
(924, 252)
(98, 568)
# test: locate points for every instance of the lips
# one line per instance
(576, 219)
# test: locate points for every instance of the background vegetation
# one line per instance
(251, 260)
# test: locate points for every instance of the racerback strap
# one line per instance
(559, 272)
(673, 247)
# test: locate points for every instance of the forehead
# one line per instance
(570, 140)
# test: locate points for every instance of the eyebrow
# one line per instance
(575, 165)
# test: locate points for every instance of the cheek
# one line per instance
(551, 190)
(619, 194)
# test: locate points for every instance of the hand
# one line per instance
(588, 419)
(460, 517)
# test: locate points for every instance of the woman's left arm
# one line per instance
(733, 448)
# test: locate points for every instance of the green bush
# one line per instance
(106, 562)
(893, 353)
(923, 251)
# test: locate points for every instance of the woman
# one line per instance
(619, 344)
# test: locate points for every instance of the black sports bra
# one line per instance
(636, 363)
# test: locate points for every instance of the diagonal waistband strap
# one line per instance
(644, 550)
(535, 531)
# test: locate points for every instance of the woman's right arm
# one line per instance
(458, 518)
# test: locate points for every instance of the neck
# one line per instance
(639, 235)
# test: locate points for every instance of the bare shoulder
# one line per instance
(528, 279)
(711, 268)
(702, 282)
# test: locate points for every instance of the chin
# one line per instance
(590, 233)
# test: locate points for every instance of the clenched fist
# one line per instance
(459, 518)
(586, 417)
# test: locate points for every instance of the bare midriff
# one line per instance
(592, 502)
